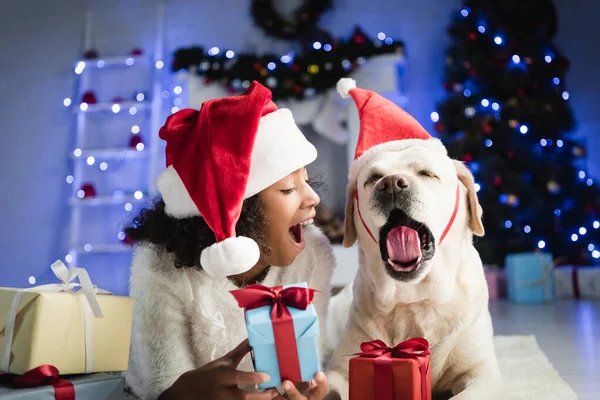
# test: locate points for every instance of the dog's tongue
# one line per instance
(403, 244)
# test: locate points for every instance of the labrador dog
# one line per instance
(414, 214)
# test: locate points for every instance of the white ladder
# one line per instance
(82, 153)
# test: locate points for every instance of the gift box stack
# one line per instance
(62, 341)
(529, 277)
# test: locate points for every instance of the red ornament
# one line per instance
(89, 97)
(520, 92)
(257, 66)
(472, 72)
(207, 81)
(298, 89)
(359, 39)
(497, 180)
(510, 154)
(117, 99)
(88, 190)
(487, 129)
(137, 52)
(295, 67)
(134, 140)
(472, 36)
(467, 157)
(439, 127)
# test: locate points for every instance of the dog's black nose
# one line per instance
(392, 184)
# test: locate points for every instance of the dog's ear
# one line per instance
(474, 208)
(349, 228)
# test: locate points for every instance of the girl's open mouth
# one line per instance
(296, 232)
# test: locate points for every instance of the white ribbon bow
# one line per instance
(90, 306)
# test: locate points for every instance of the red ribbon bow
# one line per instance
(416, 348)
(256, 296)
(40, 376)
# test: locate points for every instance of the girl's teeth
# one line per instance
(306, 223)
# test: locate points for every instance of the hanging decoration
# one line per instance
(289, 76)
(304, 22)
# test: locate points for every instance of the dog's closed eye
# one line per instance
(427, 174)
(374, 177)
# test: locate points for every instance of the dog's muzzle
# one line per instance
(393, 191)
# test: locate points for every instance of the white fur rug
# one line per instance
(527, 372)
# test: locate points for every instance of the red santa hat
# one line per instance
(230, 150)
(384, 126)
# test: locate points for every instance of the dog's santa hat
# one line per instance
(230, 150)
(384, 126)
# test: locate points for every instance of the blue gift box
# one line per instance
(262, 341)
(99, 386)
(529, 277)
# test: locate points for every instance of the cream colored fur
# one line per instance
(448, 305)
(185, 318)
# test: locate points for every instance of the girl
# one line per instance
(236, 209)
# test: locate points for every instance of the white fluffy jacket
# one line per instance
(184, 318)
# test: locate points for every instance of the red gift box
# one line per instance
(391, 373)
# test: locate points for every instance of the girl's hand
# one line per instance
(219, 380)
(316, 389)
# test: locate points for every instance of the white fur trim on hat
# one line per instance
(280, 148)
(232, 256)
(178, 202)
(344, 85)
(395, 145)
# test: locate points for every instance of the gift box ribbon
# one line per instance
(257, 296)
(417, 348)
(90, 307)
(40, 376)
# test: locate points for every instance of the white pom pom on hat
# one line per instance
(232, 256)
(344, 86)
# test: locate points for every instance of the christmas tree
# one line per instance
(507, 116)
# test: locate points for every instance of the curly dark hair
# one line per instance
(187, 237)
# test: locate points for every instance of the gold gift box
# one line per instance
(49, 329)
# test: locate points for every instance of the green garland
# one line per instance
(289, 77)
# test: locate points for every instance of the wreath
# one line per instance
(305, 18)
